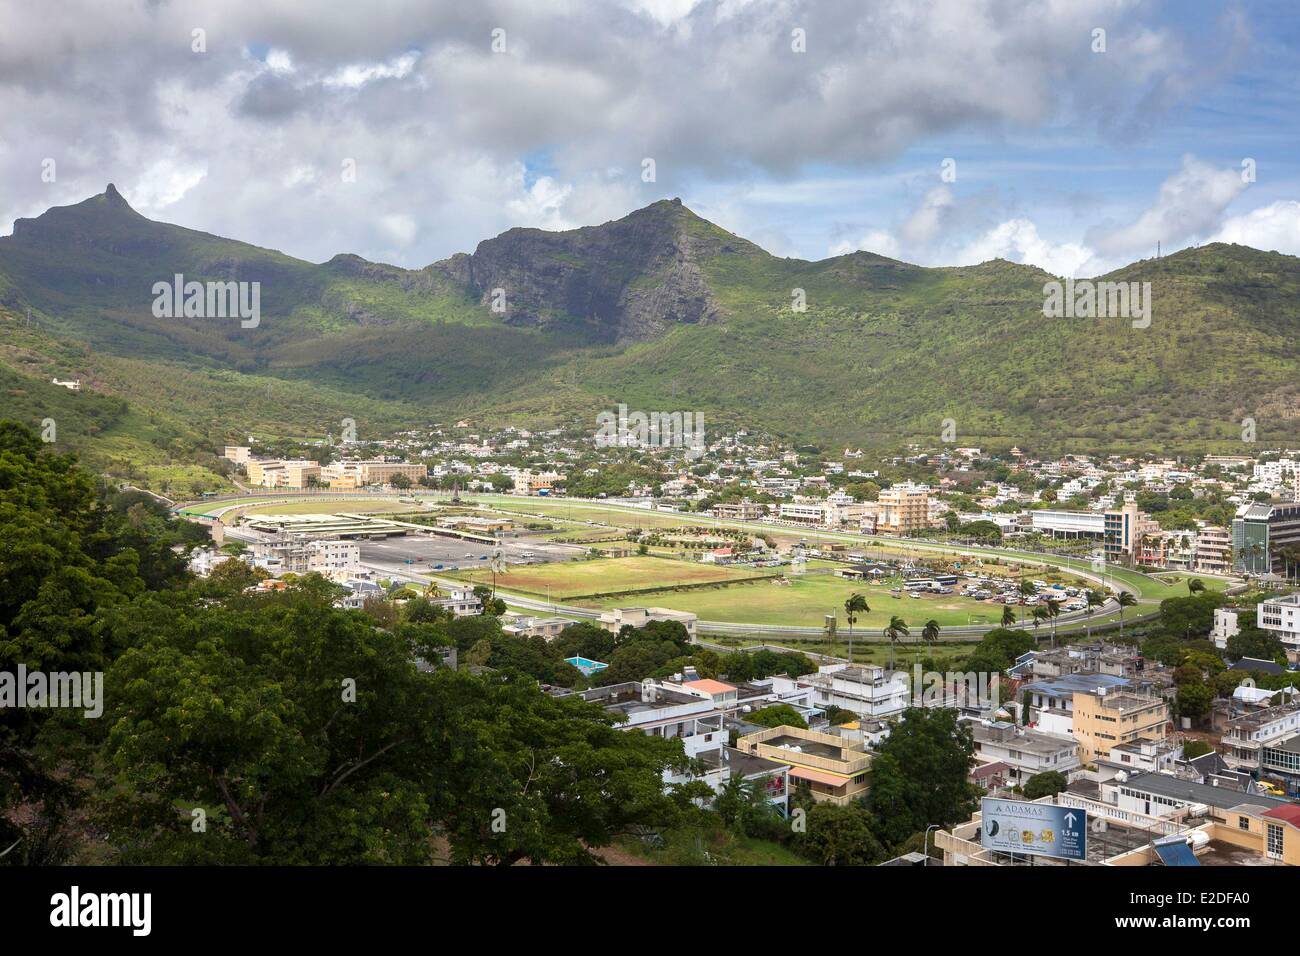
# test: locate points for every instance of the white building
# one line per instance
(1280, 616)
(864, 689)
(462, 602)
(616, 619)
(1025, 752)
(1225, 626)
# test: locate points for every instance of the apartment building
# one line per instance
(739, 510)
(527, 483)
(382, 471)
(547, 628)
(1226, 625)
(1167, 549)
(461, 602)
(333, 556)
(865, 689)
(1024, 752)
(616, 619)
(1104, 720)
(1050, 702)
(1213, 550)
(692, 717)
(1280, 616)
(1245, 738)
(1125, 529)
(903, 508)
(295, 554)
(277, 473)
(239, 454)
(1259, 532)
(833, 768)
(1164, 795)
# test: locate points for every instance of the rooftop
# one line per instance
(1189, 792)
(1070, 684)
(710, 687)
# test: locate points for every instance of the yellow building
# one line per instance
(903, 509)
(527, 483)
(835, 769)
(300, 474)
(383, 472)
(1102, 720)
(258, 467)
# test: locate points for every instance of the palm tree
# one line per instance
(432, 591)
(1008, 616)
(498, 565)
(852, 606)
(930, 633)
(895, 632)
(1040, 615)
(1053, 611)
(1027, 590)
(1125, 599)
(1195, 586)
(1094, 599)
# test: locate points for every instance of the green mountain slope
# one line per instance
(661, 310)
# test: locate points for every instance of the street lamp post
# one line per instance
(926, 844)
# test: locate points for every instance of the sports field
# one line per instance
(565, 580)
(808, 598)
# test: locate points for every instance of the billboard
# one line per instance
(1033, 829)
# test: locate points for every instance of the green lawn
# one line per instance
(808, 598)
(566, 580)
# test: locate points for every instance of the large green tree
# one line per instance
(919, 776)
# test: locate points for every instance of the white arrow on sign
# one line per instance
(1069, 821)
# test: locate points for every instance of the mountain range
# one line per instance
(660, 310)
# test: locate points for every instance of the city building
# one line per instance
(833, 768)
(1280, 616)
(903, 508)
(547, 628)
(1050, 703)
(866, 689)
(616, 619)
(527, 483)
(1104, 719)
(1024, 752)
(1260, 532)
(739, 510)
(1125, 529)
(1245, 738)
(461, 602)
(1160, 794)
(1226, 625)
(1213, 550)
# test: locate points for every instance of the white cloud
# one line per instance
(541, 205)
(877, 241)
(924, 224)
(1191, 204)
(356, 75)
(1273, 228)
(1018, 240)
(164, 184)
(399, 228)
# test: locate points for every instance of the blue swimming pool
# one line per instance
(588, 667)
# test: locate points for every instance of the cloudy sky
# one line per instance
(944, 132)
